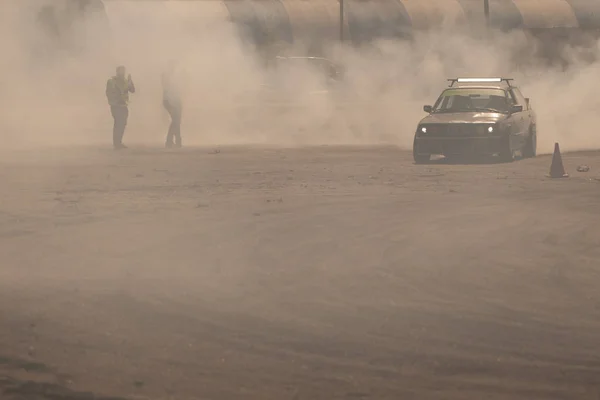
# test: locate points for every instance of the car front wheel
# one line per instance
(419, 158)
(531, 145)
(506, 154)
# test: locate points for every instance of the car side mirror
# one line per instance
(516, 109)
(427, 109)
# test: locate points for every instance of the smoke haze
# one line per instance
(319, 273)
(57, 98)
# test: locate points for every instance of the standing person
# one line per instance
(117, 93)
(172, 103)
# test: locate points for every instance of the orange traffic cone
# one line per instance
(557, 170)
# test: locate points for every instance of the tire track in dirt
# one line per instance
(319, 274)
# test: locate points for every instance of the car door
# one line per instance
(528, 120)
(519, 120)
(511, 124)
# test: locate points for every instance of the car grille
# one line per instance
(453, 130)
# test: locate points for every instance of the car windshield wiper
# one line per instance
(453, 110)
(489, 109)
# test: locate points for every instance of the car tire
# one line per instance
(506, 154)
(531, 145)
(420, 158)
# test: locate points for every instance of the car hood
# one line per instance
(463, 117)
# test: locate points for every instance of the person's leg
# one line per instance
(125, 118)
(115, 114)
(123, 125)
(176, 122)
(169, 140)
(121, 115)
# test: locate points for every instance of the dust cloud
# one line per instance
(54, 96)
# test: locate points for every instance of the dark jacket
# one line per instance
(117, 91)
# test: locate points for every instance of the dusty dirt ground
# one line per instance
(322, 273)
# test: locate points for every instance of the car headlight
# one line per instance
(483, 129)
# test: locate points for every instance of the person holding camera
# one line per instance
(117, 92)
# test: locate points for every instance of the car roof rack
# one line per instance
(300, 58)
(480, 80)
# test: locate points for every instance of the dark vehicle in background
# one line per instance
(297, 81)
(293, 95)
(331, 71)
(477, 117)
(300, 75)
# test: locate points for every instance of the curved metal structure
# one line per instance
(294, 21)
(60, 21)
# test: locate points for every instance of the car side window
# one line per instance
(512, 99)
(438, 102)
(520, 98)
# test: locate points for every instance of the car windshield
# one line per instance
(471, 99)
(329, 69)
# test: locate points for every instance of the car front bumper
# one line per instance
(447, 146)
